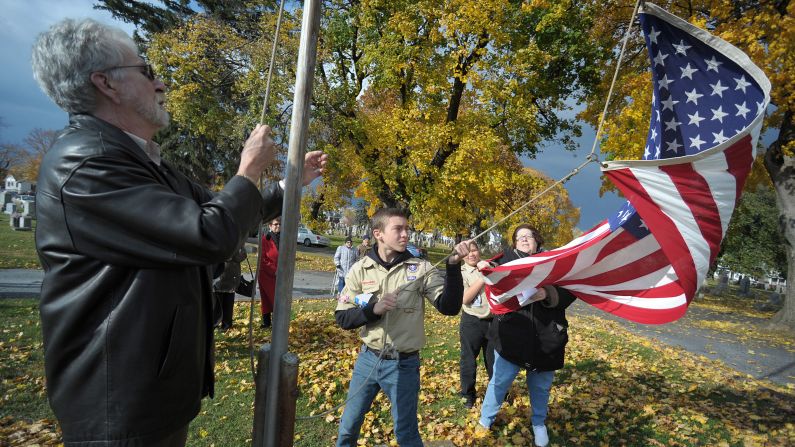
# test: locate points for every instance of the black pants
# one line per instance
(472, 331)
(227, 300)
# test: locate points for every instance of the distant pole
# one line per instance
(302, 102)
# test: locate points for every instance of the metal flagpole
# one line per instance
(302, 101)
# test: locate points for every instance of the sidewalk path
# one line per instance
(22, 283)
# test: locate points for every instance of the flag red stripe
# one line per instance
(636, 314)
(740, 159)
(627, 272)
(619, 242)
(663, 291)
(661, 226)
(696, 193)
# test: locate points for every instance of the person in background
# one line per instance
(129, 244)
(224, 287)
(474, 326)
(268, 263)
(344, 258)
(364, 247)
(385, 295)
(532, 337)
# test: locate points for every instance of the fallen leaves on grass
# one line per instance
(20, 433)
(734, 305)
(617, 389)
(743, 332)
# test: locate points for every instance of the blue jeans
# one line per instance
(400, 381)
(340, 284)
(538, 384)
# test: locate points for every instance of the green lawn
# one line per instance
(17, 248)
(617, 389)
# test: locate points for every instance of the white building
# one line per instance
(20, 186)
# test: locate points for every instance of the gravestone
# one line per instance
(774, 303)
(28, 208)
(22, 223)
(7, 197)
(745, 286)
(723, 284)
(9, 208)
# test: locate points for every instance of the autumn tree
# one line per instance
(213, 56)
(424, 98)
(407, 93)
(753, 244)
(23, 160)
(10, 154)
(765, 30)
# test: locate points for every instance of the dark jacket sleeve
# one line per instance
(116, 211)
(357, 316)
(449, 302)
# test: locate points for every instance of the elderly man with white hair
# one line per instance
(128, 244)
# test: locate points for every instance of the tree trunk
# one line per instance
(781, 167)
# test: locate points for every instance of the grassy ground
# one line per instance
(617, 389)
(17, 248)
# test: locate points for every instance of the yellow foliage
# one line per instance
(764, 32)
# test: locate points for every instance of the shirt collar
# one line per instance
(151, 148)
(468, 268)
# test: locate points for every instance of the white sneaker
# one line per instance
(540, 436)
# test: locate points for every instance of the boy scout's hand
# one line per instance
(461, 250)
(387, 302)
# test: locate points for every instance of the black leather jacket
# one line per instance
(126, 301)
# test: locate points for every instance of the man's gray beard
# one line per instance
(151, 112)
(154, 114)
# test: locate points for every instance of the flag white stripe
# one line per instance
(722, 186)
(658, 278)
(640, 303)
(587, 257)
(665, 195)
(631, 253)
(540, 272)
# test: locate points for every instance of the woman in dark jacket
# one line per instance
(533, 337)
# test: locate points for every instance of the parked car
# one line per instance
(308, 238)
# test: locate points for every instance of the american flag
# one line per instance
(647, 261)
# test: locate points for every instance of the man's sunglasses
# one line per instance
(148, 71)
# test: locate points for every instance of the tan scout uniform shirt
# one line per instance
(405, 329)
(479, 307)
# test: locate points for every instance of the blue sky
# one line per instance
(24, 107)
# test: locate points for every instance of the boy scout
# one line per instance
(383, 295)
